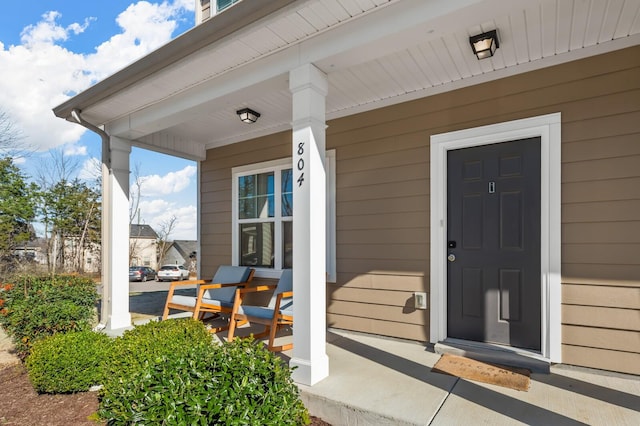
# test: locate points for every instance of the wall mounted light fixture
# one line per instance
(248, 115)
(484, 45)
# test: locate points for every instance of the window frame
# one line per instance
(277, 166)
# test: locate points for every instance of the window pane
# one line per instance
(223, 4)
(247, 208)
(287, 245)
(247, 186)
(287, 192)
(256, 244)
(255, 196)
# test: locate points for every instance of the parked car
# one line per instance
(141, 273)
(173, 273)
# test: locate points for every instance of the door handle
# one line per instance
(451, 257)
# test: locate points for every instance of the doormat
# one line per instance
(466, 368)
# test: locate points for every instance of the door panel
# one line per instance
(494, 288)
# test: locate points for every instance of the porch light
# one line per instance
(248, 115)
(484, 45)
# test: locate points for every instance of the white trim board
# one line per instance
(547, 127)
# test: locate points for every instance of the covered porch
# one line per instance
(303, 65)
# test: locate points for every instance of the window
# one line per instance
(263, 216)
(223, 4)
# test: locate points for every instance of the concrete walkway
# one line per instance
(380, 381)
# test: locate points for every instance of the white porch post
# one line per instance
(117, 257)
(309, 87)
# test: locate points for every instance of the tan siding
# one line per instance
(599, 274)
(613, 297)
(601, 232)
(391, 236)
(374, 222)
(383, 200)
(374, 297)
(596, 149)
(384, 191)
(624, 362)
(375, 326)
(606, 190)
(620, 340)
(609, 211)
(594, 316)
(381, 312)
(607, 168)
(397, 282)
(603, 253)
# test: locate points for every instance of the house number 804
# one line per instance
(301, 163)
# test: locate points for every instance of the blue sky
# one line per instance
(50, 50)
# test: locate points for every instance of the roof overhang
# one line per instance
(182, 98)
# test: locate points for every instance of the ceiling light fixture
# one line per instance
(248, 115)
(484, 45)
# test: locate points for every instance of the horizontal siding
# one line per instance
(612, 297)
(380, 327)
(382, 210)
(608, 212)
(601, 274)
(604, 359)
(627, 189)
(373, 296)
(601, 317)
(600, 148)
(590, 337)
(397, 282)
(382, 312)
(601, 228)
(624, 232)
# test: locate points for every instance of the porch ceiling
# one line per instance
(375, 53)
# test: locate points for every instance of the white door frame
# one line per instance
(547, 127)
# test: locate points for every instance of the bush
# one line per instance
(147, 343)
(39, 306)
(67, 363)
(175, 380)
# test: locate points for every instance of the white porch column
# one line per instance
(309, 87)
(116, 263)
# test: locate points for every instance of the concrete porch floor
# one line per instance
(382, 381)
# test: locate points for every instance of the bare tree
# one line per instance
(135, 194)
(58, 167)
(165, 230)
(12, 142)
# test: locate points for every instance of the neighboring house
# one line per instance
(445, 198)
(33, 251)
(143, 246)
(182, 252)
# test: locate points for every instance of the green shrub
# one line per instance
(39, 306)
(149, 342)
(161, 377)
(70, 362)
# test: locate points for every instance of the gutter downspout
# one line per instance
(106, 222)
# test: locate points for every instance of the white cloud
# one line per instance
(173, 182)
(75, 150)
(39, 73)
(157, 212)
(153, 208)
(91, 169)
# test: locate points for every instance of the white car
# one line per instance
(173, 273)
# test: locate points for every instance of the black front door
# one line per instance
(493, 243)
